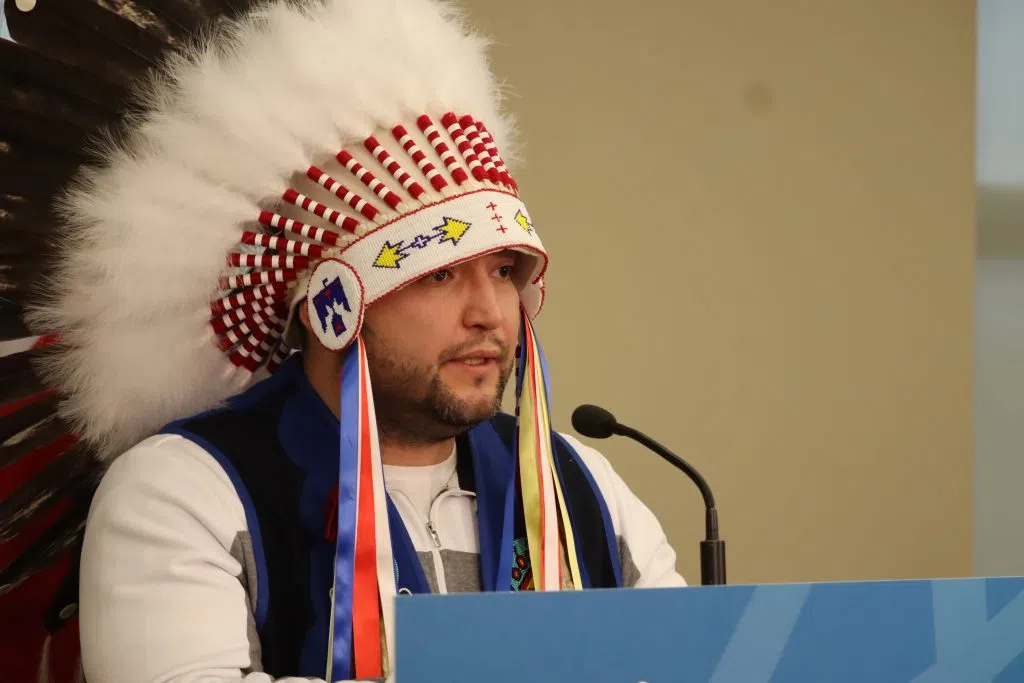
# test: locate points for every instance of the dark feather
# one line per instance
(34, 172)
(15, 284)
(25, 240)
(62, 536)
(88, 35)
(117, 39)
(12, 326)
(28, 415)
(40, 434)
(23, 216)
(36, 112)
(181, 18)
(11, 203)
(27, 227)
(186, 17)
(73, 472)
(17, 379)
(22, 250)
(68, 78)
(60, 77)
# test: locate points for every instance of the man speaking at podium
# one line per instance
(292, 298)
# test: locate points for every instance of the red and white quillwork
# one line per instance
(395, 207)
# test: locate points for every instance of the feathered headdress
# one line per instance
(328, 151)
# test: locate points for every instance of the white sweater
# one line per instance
(161, 598)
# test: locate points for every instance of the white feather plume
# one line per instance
(224, 126)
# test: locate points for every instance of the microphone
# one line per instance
(598, 423)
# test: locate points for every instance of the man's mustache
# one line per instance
(489, 343)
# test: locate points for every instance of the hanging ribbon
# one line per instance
(568, 536)
(385, 566)
(545, 512)
(345, 551)
(364, 585)
(362, 629)
(365, 599)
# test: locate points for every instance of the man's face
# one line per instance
(441, 349)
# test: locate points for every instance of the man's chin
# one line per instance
(464, 404)
(467, 411)
(479, 409)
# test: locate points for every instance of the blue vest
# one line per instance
(278, 443)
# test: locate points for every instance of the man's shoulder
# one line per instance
(163, 457)
(181, 448)
(169, 470)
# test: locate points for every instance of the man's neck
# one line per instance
(402, 453)
(414, 455)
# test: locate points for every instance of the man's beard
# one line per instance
(413, 403)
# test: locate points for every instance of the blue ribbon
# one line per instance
(348, 479)
(513, 493)
(497, 491)
(613, 550)
(584, 576)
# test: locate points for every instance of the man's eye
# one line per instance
(505, 271)
(440, 275)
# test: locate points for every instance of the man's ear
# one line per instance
(299, 331)
(304, 316)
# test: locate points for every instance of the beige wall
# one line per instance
(761, 217)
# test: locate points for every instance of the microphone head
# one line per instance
(593, 421)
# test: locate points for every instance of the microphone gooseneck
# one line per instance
(597, 423)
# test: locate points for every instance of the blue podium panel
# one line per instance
(929, 631)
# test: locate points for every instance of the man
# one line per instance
(291, 299)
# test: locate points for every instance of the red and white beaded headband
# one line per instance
(455, 201)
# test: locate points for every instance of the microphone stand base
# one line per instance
(712, 563)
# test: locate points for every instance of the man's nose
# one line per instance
(481, 306)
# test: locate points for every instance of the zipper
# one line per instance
(433, 533)
(442, 583)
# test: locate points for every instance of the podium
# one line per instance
(926, 631)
